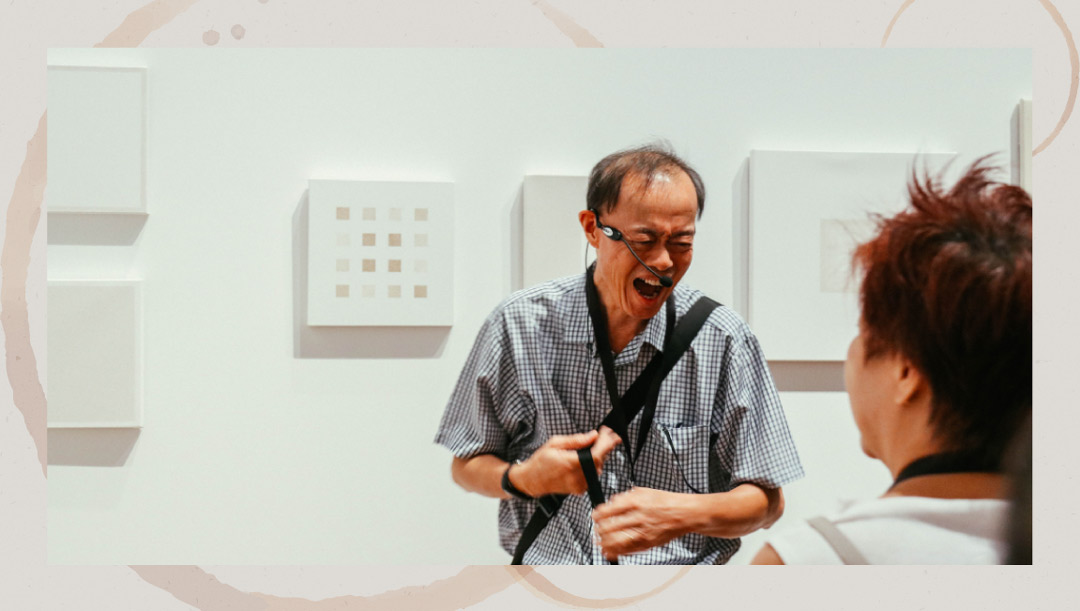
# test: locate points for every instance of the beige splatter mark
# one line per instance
(23, 213)
(196, 587)
(1074, 62)
(238, 31)
(577, 34)
(143, 21)
(211, 37)
(896, 17)
(542, 587)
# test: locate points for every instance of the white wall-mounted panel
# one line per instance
(808, 210)
(380, 253)
(1023, 143)
(95, 363)
(553, 243)
(97, 139)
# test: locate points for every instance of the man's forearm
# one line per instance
(481, 474)
(735, 513)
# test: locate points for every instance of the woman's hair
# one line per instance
(947, 285)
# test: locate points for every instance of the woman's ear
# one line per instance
(911, 385)
(588, 224)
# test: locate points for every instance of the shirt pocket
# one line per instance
(675, 458)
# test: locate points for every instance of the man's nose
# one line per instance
(660, 259)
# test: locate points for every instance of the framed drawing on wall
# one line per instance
(380, 253)
(808, 210)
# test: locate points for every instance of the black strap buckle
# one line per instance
(550, 505)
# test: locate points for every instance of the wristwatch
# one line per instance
(509, 488)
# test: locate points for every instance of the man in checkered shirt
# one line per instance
(533, 392)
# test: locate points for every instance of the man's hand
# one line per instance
(640, 519)
(554, 469)
(643, 518)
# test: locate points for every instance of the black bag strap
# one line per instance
(681, 339)
(643, 392)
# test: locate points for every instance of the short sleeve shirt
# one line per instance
(534, 372)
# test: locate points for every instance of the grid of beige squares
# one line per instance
(367, 266)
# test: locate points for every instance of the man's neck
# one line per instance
(621, 327)
(621, 335)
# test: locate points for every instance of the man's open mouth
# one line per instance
(649, 289)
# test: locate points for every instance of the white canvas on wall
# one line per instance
(380, 253)
(96, 140)
(553, 243)
(94, 354)
(808, 210)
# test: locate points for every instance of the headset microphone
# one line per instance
(616, 235)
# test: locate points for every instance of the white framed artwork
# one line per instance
(96, 140)
(95, 356)
(808, 210)
(380, 253)
(553, 244)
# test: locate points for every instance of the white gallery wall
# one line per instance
(266, 441)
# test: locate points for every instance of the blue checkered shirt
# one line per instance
(534, 372)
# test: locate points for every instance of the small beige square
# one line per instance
(420, 291)
(367, 291)
(343, 290)
(343, 265)
(342, 213)
(369, 239)
(420, 265)
(368, 214)
(420, 214)
(421, 239)
(394, 291)
(343, 239)
(395, 265)
(395, 239)
(395, 214)
(369, 265)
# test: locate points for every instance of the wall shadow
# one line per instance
(808, 376)
(92, 229)
(104, 447)
(349, 342)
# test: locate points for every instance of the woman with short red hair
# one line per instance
(939, 379)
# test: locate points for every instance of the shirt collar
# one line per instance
(579, 329)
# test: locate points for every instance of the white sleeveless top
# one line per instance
(906, 530)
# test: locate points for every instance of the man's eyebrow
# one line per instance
(652, 233)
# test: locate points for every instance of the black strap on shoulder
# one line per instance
(643, 392)
(681, 339)
(948, 462)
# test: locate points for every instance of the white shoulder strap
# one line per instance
(843, 546)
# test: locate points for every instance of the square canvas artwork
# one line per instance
(97, 140)
(553, 244)
(380, 253)
(808, 211)
(94, 354)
